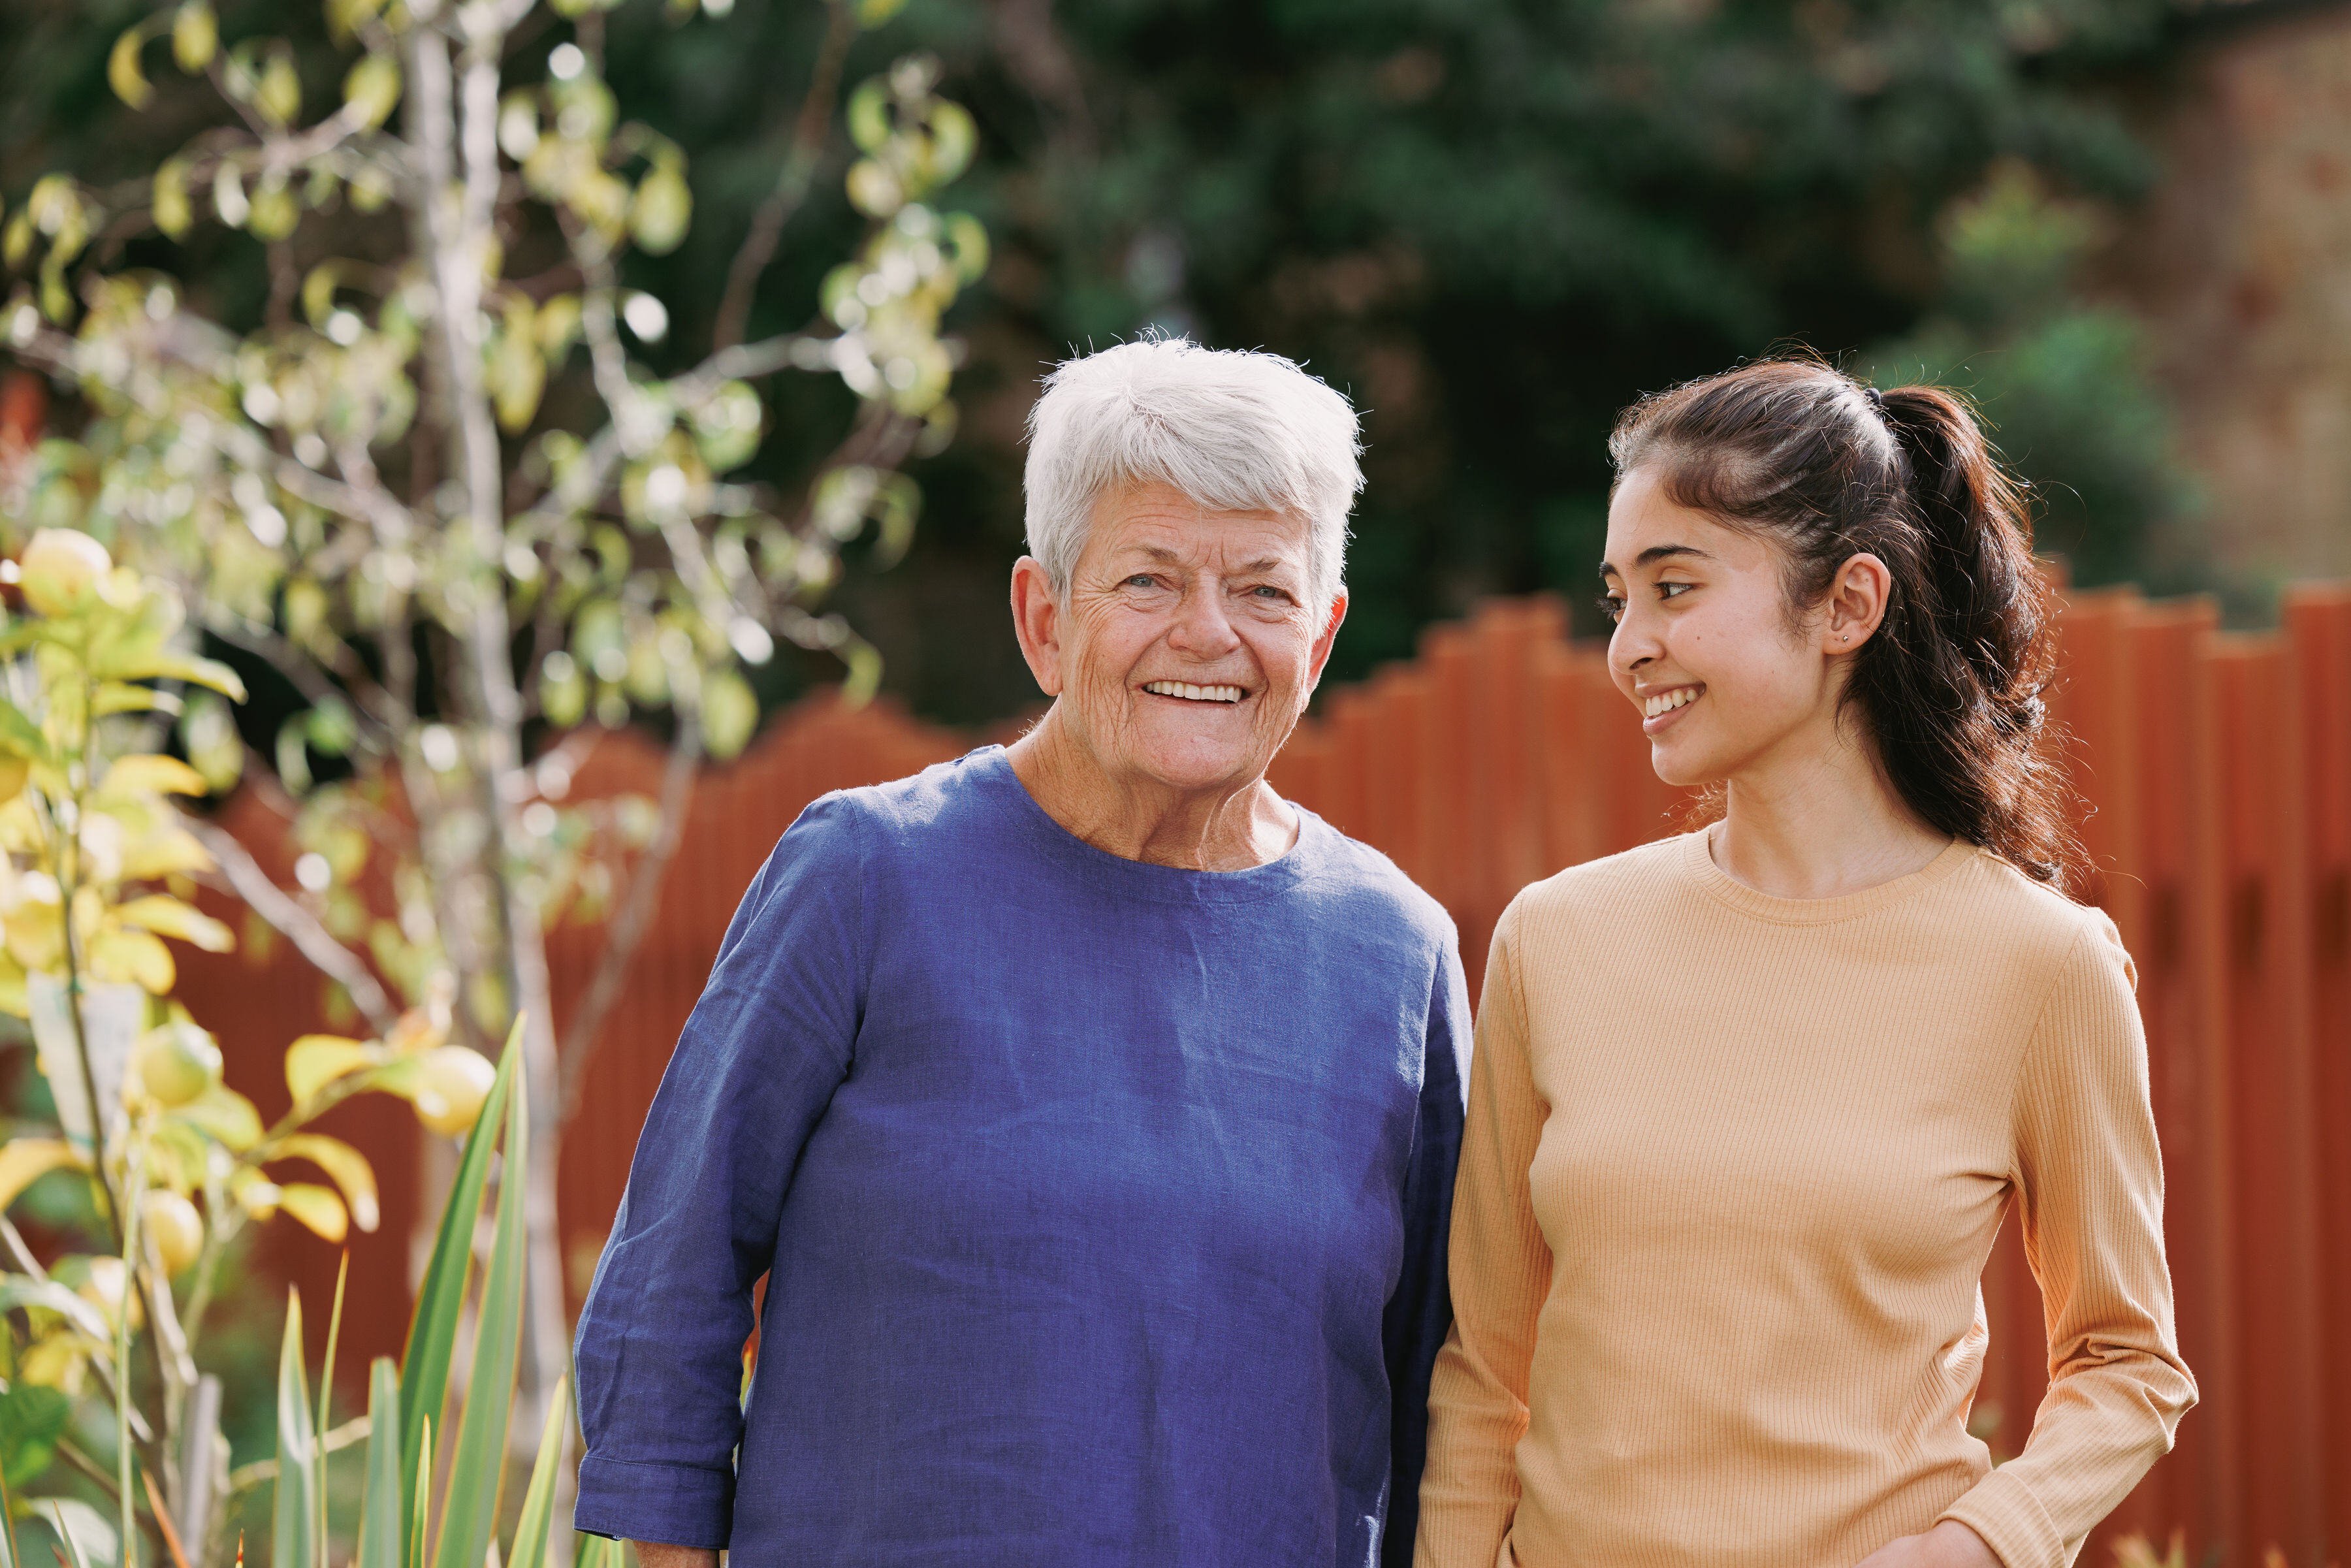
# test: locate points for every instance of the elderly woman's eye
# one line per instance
(1143, 579)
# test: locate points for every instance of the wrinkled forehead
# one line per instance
(1162, 525)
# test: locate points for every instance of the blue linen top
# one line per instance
(1104, 1205)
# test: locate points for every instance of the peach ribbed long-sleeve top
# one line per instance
(1733, 1166)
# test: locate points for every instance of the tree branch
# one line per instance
(297, 924)
(809, 134)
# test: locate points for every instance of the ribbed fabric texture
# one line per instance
(1733, 1167)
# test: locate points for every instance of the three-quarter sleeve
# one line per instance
(660, 1345)
(1421, 1310)
(1501, 1272)
(2089, 1192)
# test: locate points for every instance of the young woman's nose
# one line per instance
(1632, 645)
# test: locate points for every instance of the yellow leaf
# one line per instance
(372, 90)
(167, 916)
(196, 35)
(279, 95)
(162, 853)
(122, 72)
(143, 775)
(25, 1160)
(316, 1061)
(224, 1116)
(346, 1164)
(174, 213)
(136, 958)
(316, 1207)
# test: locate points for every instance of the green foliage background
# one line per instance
(1492, 222)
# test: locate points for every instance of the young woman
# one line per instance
(1749, 1106)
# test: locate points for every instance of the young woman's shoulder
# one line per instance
(2041, 925)
(1613, 885)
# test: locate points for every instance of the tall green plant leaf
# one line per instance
(292, 1543)
(477, 1468)
(381, 1511)
(441, 1299)
(538, 1503)
(421, 1485)
(598, 1552)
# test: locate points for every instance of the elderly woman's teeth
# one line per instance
(1194, 694)
(1665, 701)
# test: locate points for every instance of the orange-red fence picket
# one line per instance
(2218, 769)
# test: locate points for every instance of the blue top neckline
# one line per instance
(991, 768)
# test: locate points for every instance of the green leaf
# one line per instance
(379, 1537)
(82, 1528)
(730, 713)
(469, 1510)
(441, 1299)
(869, 115)
(21, 734)
(539, 1502)
(32, 1419)
(292, 1536)
(122, 72)
(174, 214)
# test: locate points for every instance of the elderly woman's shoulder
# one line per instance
(1354, 871)
(898, 813)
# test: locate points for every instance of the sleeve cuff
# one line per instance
(683, 1505)
(2002, 1510)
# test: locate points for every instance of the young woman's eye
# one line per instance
(1611, 606)
(1674, 589)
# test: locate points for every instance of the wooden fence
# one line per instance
(2218, 767)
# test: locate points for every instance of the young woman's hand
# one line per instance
(1950, 1545)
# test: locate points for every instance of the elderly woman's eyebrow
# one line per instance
(1654, 554)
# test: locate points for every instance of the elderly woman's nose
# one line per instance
(1201, 624)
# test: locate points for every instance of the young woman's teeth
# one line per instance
(1665, 701)
(1194, 694)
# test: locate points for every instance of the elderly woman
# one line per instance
(1091, 1110)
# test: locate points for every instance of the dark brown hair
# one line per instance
(1950, 686)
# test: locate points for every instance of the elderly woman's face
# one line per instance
(1191, 644)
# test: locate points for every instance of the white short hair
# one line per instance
(1233, 431)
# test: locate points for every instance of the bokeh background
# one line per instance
(2122, 223)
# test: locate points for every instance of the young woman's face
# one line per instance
(1703, 646)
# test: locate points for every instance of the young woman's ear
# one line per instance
(1857, 602)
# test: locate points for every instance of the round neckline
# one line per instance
(1698, 857)
(991, 767)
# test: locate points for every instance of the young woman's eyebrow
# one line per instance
(1654, 554)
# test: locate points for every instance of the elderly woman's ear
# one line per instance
(1037, 623)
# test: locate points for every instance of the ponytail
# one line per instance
(1950, 688)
